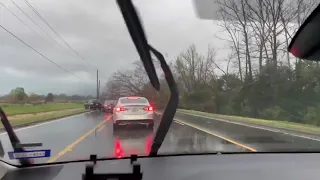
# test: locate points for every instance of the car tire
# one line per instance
(115, 127)
(150, 125)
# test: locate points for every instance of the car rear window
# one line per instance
(133, 101)
(109, 101)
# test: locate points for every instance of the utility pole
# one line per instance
(99, 89)
(97, 84)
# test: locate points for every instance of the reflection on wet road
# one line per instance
(137, 140)
(79, 136)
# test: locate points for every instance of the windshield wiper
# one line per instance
(138, 37)
(15, 141)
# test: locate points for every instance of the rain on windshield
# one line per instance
(66, 64)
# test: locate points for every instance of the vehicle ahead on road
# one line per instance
(93, 104)
(133, 110)
(108, 105)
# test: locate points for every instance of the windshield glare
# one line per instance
(239, 88)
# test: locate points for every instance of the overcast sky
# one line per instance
(96, 30)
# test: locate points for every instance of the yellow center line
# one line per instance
(72, 145)
(213, 134)
(100, 129)
(221, 137)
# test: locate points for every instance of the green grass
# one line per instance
(44, 117)
(14, 109)
(271, 123)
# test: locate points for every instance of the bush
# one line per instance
(275, 113)
(312, 116)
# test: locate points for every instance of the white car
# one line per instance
(132, 110)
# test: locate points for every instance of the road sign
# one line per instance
(29, 154)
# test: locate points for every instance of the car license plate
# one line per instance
(134, 109)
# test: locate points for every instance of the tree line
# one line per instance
(258, 78)
(18, 95)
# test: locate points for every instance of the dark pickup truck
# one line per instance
(93, 104)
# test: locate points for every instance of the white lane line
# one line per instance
(213, 134)
(179, 122)
(44, 123)
(253, 126)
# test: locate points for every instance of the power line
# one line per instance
(20, 19)
(33, 21)
(39, 26)
(54, 31)
(38, 52)
(24, 22)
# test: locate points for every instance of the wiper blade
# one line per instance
(138, 37)
(171, 107)
(15, 141)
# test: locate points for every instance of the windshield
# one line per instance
(240, 90)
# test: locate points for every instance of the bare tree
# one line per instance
(129, 82)
(236, 13)
(233, 33)
(193, 69)
(257, 16)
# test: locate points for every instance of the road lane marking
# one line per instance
(255, 126)
(219, 136)
(44, 123)
(213, 134)
(100, 128)
(179, 122)
(72, 145)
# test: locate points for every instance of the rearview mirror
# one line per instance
(306, 42)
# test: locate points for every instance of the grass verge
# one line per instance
(41, 118)
(14, 109)
(304, 128)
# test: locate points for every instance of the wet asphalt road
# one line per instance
(79, 136)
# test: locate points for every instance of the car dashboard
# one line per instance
(188, 167)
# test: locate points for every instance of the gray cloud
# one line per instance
(95, 29)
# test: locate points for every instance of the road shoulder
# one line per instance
(28, 120)
(305, 135)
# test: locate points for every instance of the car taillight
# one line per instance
(150, 108)
(118, 109)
